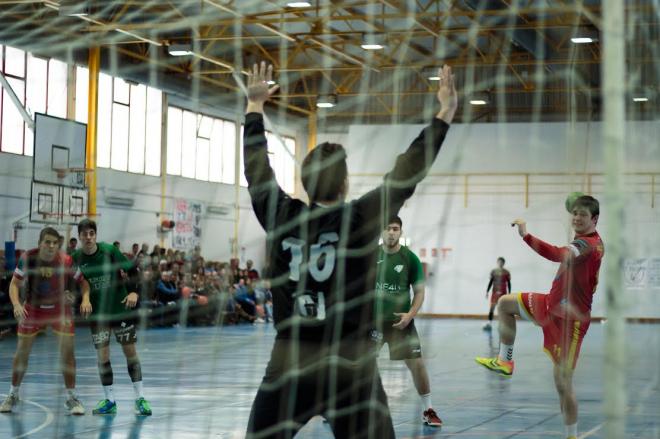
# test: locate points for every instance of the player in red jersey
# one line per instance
(500, 280)
(565, 313)
(46, 273)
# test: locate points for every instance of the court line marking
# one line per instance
(49, 418)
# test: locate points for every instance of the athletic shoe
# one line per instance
(74, 406)
(487, 327)
(496, 365)
(572, 437)
(142, 407)
(9, 403)
(105, 407)
(430, 417)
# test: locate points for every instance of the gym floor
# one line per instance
(201, 382)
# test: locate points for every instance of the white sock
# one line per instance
(571, 430)
(108, 393)
(506, 352)
(14, 389)
(426, 401)
(137, 386)
(72, 393)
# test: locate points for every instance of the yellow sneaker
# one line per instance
(496, 365)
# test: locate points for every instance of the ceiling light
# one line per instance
(582, 40)
(271, 82)
(179, 49)
(298, 4)
(431, 73)
(373, 41)
(479, 98)
(640, 99)
(326, 101)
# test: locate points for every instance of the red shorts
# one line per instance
(562, 337)
(495, 296)
(39, 317)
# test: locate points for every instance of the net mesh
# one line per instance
(530, 129)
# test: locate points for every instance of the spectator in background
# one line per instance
(135, 251)
(73, 245)
(145, 248)
(167, 296)
(245, 298)
(156, 251)
(117, 245)
(252, 273)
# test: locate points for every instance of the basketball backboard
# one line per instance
(59, 145)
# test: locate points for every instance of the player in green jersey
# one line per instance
(399, 269)
(109, 273)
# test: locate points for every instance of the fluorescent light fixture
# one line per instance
(179, 49)
(119, 201)
(298, 4)
(373, 41)
(326, 101)
(479, 98)
(582, 40)
(640, 99)
(431, 73)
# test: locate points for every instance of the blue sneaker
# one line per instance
(105, 407)
(142, 407)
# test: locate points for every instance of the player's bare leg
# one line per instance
(20, 363)
(142, 407)
(507, 310)
(420, 376)
(68, 360)
(563, 375)
(19, 366)
(68, 365)
(106, 406)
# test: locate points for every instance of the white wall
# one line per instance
(481, 232)
(138, 223)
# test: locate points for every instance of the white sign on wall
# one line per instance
(188, 224)
(634, 273)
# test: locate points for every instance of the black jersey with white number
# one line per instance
(321, 260)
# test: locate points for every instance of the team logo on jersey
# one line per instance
(398, 268)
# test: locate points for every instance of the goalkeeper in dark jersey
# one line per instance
(322, 262)
(113, 283)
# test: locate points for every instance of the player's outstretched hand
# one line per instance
(258, 90)
(85, 308)
(404, 321)
(130, 300)
(447, 95)
(20, 313)
(522, 226)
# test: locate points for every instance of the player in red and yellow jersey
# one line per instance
(565, 313)
(45, 272)
(500, 280)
